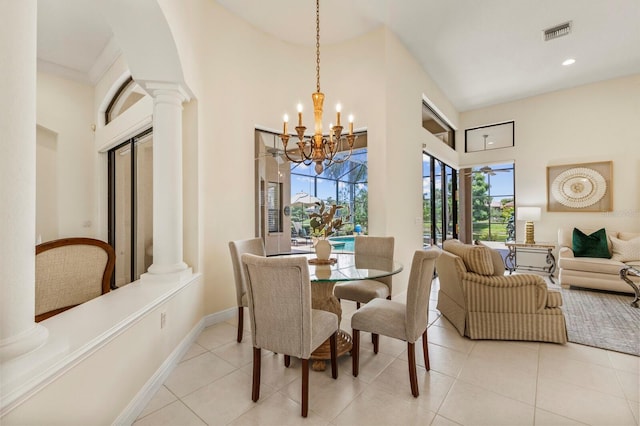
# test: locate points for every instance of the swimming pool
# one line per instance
(345, 243)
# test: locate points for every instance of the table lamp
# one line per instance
(530, 215)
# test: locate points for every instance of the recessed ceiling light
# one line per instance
(568, 62)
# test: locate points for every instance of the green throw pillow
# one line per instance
(593, 245)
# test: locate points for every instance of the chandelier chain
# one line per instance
(318, 46)
(318, 149)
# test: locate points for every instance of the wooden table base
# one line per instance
(323, 353)
(322, 298)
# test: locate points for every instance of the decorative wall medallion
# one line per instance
(579, 187)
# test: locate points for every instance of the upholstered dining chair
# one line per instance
(370, 253)
(404, 321)
(282, 319)
(71, 271)
(237, 249)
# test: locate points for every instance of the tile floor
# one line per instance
(470, 383)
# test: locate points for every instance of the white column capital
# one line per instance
(163, 91)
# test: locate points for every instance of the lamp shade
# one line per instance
(531, 214)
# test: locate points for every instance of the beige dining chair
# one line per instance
(71, 271)
(370, 253)
(237, 249)
(404, 321)
(282, 319)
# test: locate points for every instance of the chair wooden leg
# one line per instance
(240, 323)
(333, 345)
(425, 350)
(355, 352)
(255, 390)
(375, 338)
(413, 376)
(305, 387)
(287, 361)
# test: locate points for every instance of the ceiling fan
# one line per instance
(272, 152)
(486, 170)
(270, 149)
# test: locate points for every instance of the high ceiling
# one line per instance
(478, 52)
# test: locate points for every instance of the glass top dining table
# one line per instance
(345, 268)
(324, 276)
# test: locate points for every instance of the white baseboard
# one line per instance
(146, 393)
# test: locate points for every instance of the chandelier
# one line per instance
(318, 149)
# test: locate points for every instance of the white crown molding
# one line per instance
(107, 57)
(62, 71)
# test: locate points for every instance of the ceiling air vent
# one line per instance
(557, 31)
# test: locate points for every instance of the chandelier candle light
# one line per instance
(318, 148)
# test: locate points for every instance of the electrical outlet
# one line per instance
(163, 319)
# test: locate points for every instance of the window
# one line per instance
(437, 126)
(299, 189)
(126, 96)
(343, 183)
(494, 136)
(492, 202)
(274, 203)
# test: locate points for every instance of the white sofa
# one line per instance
(596, 273)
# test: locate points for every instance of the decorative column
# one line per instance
(19, 333)
(167, 180)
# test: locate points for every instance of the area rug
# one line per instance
(601, 319)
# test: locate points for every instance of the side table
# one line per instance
(624, 274)
(546, 249)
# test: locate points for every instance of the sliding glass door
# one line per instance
(439, 201)
(131, 207)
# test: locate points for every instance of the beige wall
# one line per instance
(596, 122)
(65, 108)
(46, 185)
(400, 189)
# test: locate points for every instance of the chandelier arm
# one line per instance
(303, 157)
(332, 153)
(302, 144)
(303, 160)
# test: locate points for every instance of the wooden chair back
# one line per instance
(71, 271)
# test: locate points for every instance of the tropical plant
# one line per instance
(480, 198)
(324, 222)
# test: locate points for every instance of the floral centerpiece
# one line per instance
(325, 223)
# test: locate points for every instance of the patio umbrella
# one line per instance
(304, 198)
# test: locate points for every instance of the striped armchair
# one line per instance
(483, 303)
